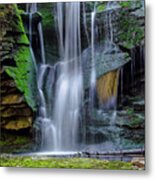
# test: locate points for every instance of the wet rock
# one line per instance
(139, 106)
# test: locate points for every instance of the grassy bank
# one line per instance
(79, 163)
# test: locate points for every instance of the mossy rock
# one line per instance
(24, 74)
(17, 124)
(11, 99)
(12, 142)
(9, 112)
(16, 50)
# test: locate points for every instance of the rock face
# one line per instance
(107, 87)
(17, 101)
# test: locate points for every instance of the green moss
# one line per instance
(125, 3)
(14, 140)
(24, 71)
(23, 74)
(47, 17)
(130, 111)
(131, 32)
(83, 163)
(136, 121)
(23, 40)
(101, 7)
(13, 143)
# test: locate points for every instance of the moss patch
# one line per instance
(132, 32)
(23, 74)
(47, 17)
(23, 70)
(11, 142)
(84, 163)
(18, 123)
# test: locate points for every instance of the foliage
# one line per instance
(47, 16)
(11, 142)
(130, 4)
(84, 163)
(132, 33)
(101, 7)
(125, 3)
(130, 111)
(22, 39)
(23, 73)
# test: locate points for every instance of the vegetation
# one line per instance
(79, 163)
(131, 31)
(23, 73)
(11, 142)
(47, 16)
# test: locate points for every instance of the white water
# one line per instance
(40, 29)
(33, 9)
(93, 69)
(68, 97)
(59, 117)
(122, 79)
(85, 23)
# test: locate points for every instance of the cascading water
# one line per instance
(60, 87)
(85, 23)
(40, 30)
(93, 70)
(68, 91)
(110, 46)
(30, 9)
(59, 118)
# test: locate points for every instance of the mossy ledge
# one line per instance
(74, 163)
(17, 87)
(23, 72)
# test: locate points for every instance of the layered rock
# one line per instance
(17, 72)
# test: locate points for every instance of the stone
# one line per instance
(107, 87)
(139, 162)
(11, 99)
(9, 83)
(139, 106)
(18, 123)
(9, 112)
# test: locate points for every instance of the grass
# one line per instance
(79, 163)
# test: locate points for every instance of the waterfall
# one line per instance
(48, 139)
(41, 42)
(60, 28)
(66, 120)
(33, 9)
(133, 70)
(122, 79)
(68, 90)
(85, 23)
(93, 70)
(60, 103)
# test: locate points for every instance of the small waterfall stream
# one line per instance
(93, 70)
